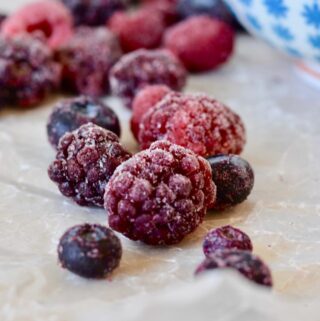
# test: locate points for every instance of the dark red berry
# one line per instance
(86, 159)
(197, 122)
(87, 59)
(28, 72)
(249, 265)
(200, 42)
(226, 238)
(160, 195)
(91, 251)
(167, 8)
(234, 178)
(67, 115)
(144, 100)
(2, 18)
(145, 67)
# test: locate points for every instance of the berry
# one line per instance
(2, 18)
(28, 72)
(138, 29)
(50, 18)
(86, 159)
(234, 178)
(249, 265)
(93, 12)
(167, 8)
(87, 59)
(226, 238)
(144, 100)
(69, 114)
(145, 67)
(159, 195)
(201, 43)
(91, 251)
(197, 122)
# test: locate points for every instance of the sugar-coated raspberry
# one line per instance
(69, 114)
(145, 67)
(90, 250)
(93, 12)
(200, 42)
(86, 159)
(28, 72)
(138, 29)
(167, 8)
(249, 265)
(197, 122)
(226, 238)
(144, 100)
(234, 178)
(160, 195)
(50, 18)
(86, 60)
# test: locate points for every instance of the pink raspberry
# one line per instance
(139, 29)
(51, 18)
(200, 42)
(160, 195)
(197, 122)
(144, 100)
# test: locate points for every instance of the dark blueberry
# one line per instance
(234, 178)
(70, 114)
(91, 251)
(226, 238)
(249, 265)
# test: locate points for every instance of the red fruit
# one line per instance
(167, 8)
(201, 43)
(144, 100)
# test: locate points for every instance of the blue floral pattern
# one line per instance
(315, 41)
(276, 8)
(312, 15)
(283, 32)
(246, 2)
(254, 22)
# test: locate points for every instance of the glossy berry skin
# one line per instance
(249, 265)
(234, 178)
(67, 115)
(226, 238)
(86, 159)
(159, 195)
(90, 250)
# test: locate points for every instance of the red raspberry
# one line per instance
(138, 29)
(144, 100)
(160, 195)
(167, 8)
(201, 43)
(86, 159)
(51, 18)
(145, 67)
(197, 122)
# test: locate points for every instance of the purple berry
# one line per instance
(228, 238)
(234, 178)
(70, 114)
(86, 159)
(91, 251)
(249, 265)
(159, 195)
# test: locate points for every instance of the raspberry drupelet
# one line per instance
(145, 67)
(197, 122)
(160, 195)
(86, 159)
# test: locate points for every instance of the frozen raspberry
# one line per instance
(91, 251)
(167, 8)
(249, 265)
(93, 12)
(86, 159)
(70, 114)
(146, 67)
(144, 100)
(160, 195)
(197, 122)
(50, 18)
(28, 72)
(201, 43)
(234, 178)
(87, 59)
(226, 238)
(138, 29)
